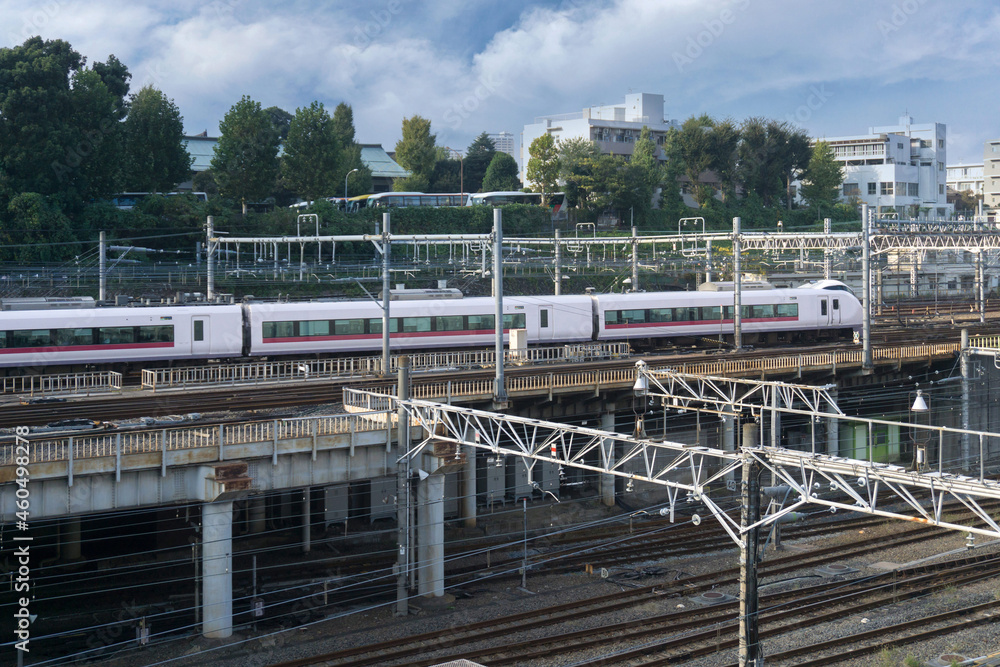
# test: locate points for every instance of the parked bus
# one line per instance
(406, 199)
(556, 200)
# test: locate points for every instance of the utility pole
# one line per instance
(749, 651)
(386, 250)
(403, 490)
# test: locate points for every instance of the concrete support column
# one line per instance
(70, 541)
(729, 443)
(832, 430)
(217, 569)
(430, 536)
(306, 520)
(608, 481)
(257, 510)
(469, 488)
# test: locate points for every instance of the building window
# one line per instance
(873, 188)
(913, 189)
(900, 188)
(899, 146)
(940, 166)
(940, 143)
(940, 189)
(852, 190)
(886, 188)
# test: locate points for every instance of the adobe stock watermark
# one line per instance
(35, 20)
(224, 8)
(818, 96)
(900, 16)
(460, 111)
(381, 18)
(714, 28)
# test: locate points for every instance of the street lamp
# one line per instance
(345, 186)
(921, 437)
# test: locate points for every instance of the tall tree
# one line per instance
(575, 163)
(359, 182)
(312, 151)
(155, 157)
(281, 119)
(645, 167)
(59, 122)
(695, 143)
(770, 153)
(724, 141)
(416, 153)
(543, 164)
(246, 157)
(501, 174)
(478, 157)
(822, 178)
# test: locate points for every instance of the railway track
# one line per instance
(457, 643)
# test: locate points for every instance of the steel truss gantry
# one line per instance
(696, 468)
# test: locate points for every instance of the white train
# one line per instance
(99, 336)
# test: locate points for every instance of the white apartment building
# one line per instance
(897, 169)
(991, 175)
(504, 142)
(966, 177)
(613, 128)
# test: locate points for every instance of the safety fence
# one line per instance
(66, 383)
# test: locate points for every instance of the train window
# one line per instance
(661, 314)
(711, 313)
(156, 334)
(543, 318)
(354, 327)
(316, 328)
(199, 330)
(481, 322)
(727, 312)
(3, 339)
(822, 307)
(686, 314)
(788, 309)
(513, 321)
(375, 325)
(633, 316)
(416, 324)
(611, 317)
(449, 323)
(762, 312)
(30, 338)
(278, 329)
(836, 304)
(120, 335)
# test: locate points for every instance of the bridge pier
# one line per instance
(832, 429)
(306, 520)
(430, 536)
(217, 569)
(608, 481)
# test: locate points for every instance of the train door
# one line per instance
(834, 311)
(824, 311)
(201, 340)
(546, 323)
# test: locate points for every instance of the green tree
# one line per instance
(543, 164)
(645, 168)
(359, 182)
(770, 153)
(501, 174)
(35, 230)
(59, 122)
(575, 163)
(246, 157)
(671, 200)
(823, 177)
(155, 157)
(477, 160)
(312, 151)
(724, 141)
(696, 149)
(416, 153)
(281, 119)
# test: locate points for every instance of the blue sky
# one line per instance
(833, 68)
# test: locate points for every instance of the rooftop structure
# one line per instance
(991, 175)
(614, 128)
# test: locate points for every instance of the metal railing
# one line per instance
(66, 383)
(324, 369)
(71, 448)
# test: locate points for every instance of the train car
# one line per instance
(356, 326)
(767, 316)
(87, 337)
